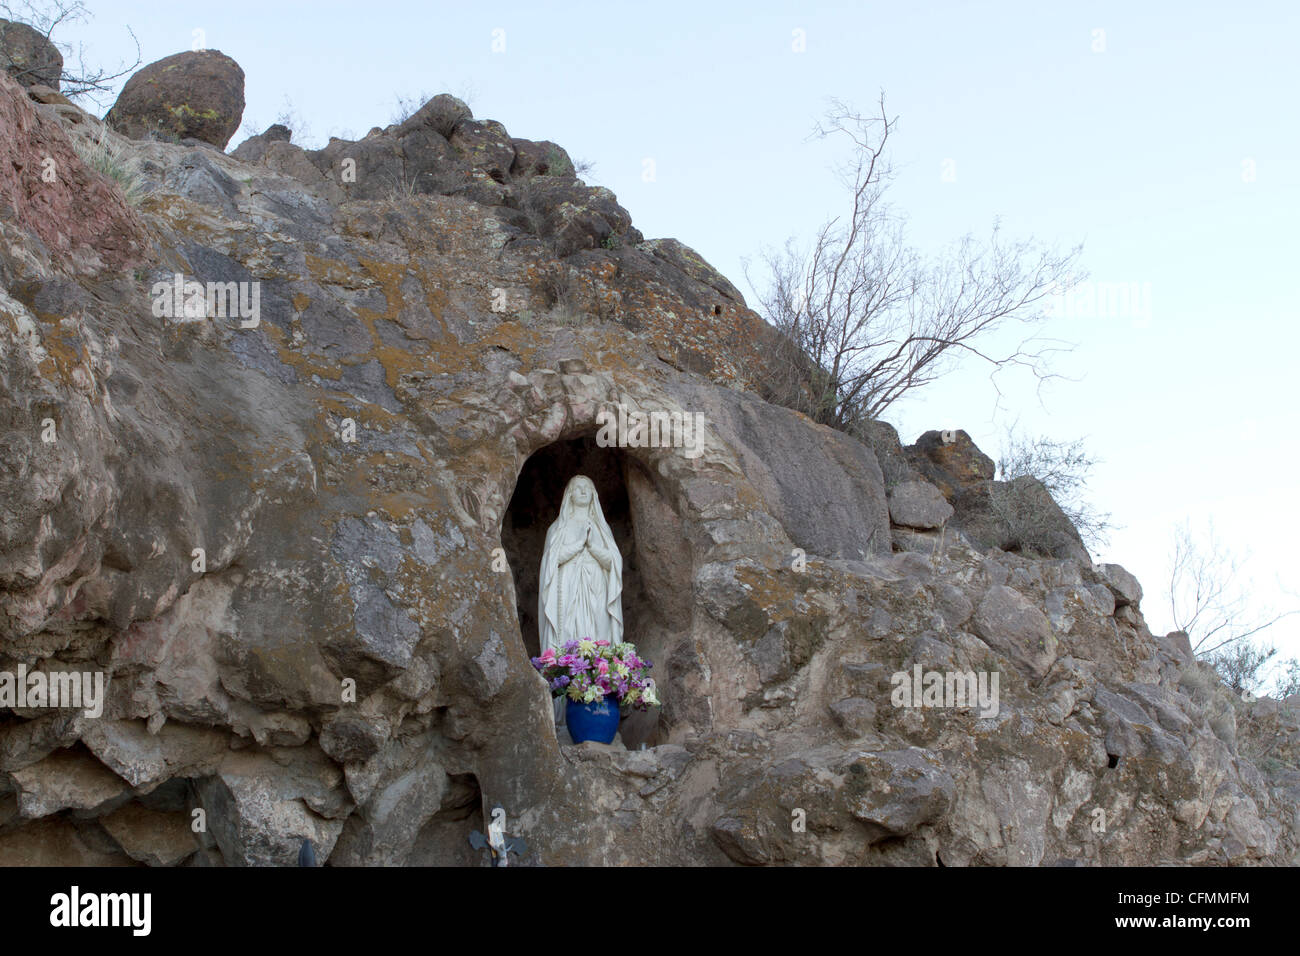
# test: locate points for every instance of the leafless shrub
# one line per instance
(1062, 467)
(292, 120)
(1030, 520)
(563, 299)
(867, 319)
(1209, 599)
(78, 80)
(1207, 596)
(407, 106)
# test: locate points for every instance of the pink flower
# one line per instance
(602, 666)
(602, 643)
(548, 657)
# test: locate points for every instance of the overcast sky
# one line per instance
(1165, 139)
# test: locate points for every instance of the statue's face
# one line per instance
(582, 494)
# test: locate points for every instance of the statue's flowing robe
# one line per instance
(580, 599)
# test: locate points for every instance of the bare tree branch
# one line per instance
(1063, 469)
(79, 80)
(1206, 595)
(866, 319)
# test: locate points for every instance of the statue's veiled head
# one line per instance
(581, 505)
(579, 497)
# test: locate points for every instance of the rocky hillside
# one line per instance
(301, 540)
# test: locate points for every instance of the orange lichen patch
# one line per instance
(768, 591)
(515, 337)
(396, 362)
(65, 351)
(333, 272)
(301, 363)
(301, 301)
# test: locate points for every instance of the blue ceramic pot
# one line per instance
(598, 721)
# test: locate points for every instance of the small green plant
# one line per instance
(113, 162)
(1197, 681)
(558, 163)
(563, 303)
(611, 243)
(407, 106)
(564, 317)
(403, 189)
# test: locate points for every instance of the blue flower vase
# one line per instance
(598, 721)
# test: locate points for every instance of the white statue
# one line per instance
(580, 595)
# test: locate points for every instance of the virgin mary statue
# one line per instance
(580, 596)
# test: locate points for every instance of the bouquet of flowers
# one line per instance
(589, 671)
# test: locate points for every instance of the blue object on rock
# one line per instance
(598, 721)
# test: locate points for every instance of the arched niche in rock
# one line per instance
(657, 557)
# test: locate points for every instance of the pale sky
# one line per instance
(1165, 139)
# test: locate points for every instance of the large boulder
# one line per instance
(28, 56)
(1018, 515)
(485, 145)
(894, 792)
(442, 114)
(1023, 516)
(951, 461)
(918, 504)
(1122, 584)
(198, 94)
(540, 159)
(824, 488)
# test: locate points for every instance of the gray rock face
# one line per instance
(1125, 587)
(1010, 623)
(301, 551)
(153, 837)
(918, 504)
(895, 792)
(253, 149)
(442, 114)
(824, 488)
